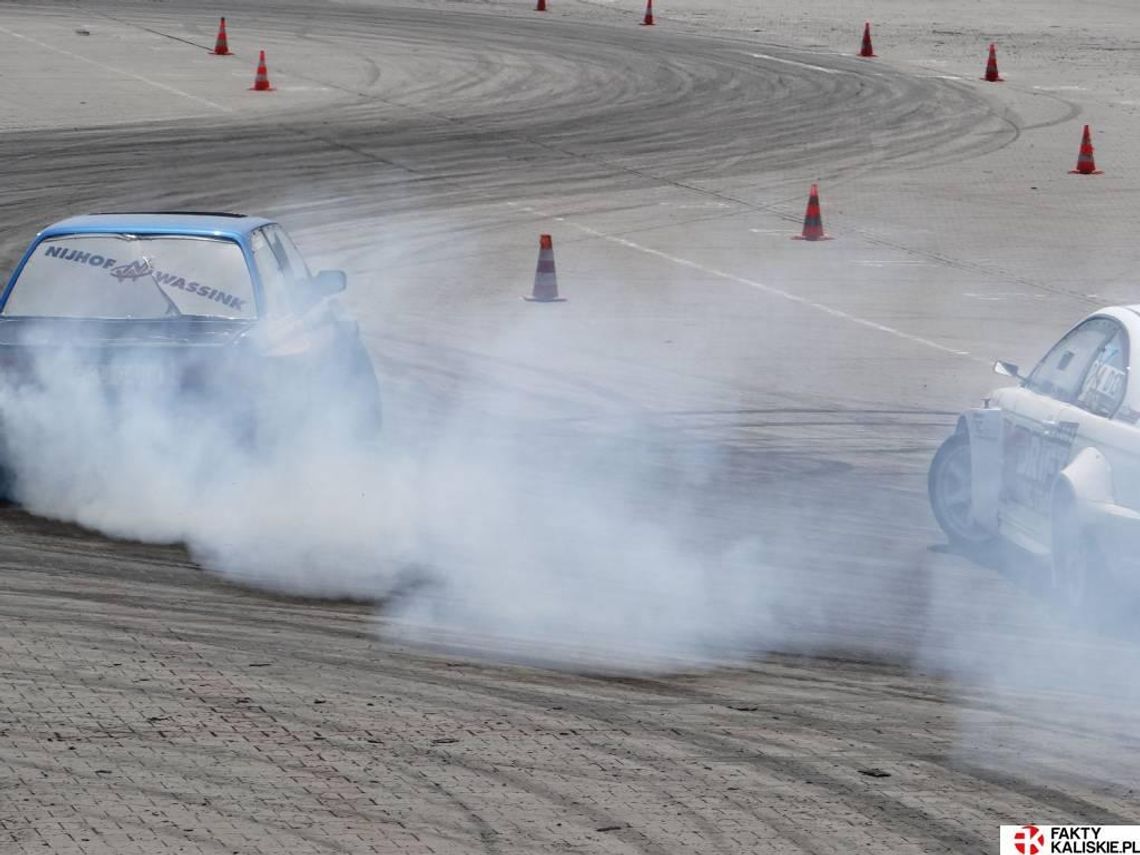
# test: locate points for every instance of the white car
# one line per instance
(1053, 464)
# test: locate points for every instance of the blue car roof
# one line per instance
(200, 225)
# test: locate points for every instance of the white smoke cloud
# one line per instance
(493, 532)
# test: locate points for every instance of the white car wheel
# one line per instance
(951, 493)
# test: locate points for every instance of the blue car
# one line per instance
(218, 310)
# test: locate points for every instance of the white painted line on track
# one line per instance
(796, 62)
(693, 206)
(1005, 296)
(759, 286)
(120, 71)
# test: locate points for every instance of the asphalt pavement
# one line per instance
(750, 395)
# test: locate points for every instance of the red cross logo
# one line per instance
(1029, 840)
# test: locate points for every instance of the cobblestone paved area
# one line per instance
(147, 708)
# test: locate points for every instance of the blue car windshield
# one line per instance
(116, 276)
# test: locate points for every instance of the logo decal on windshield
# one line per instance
(78, 256)
(133, 271)
(143, 267)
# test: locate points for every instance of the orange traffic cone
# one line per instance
(261, 81)
(992, 75)
(648, 21)
(1086, 165)
(222, 45)
(867, 51)
(545, 279)
(541, 6)
(813, 220)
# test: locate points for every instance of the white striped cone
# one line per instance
(545, 277)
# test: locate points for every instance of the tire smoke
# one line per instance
(524, 537)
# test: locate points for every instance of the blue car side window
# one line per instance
(274, 281)
(282, 270)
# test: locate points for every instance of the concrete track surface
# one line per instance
(896, 698)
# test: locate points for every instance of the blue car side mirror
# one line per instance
(329, 282)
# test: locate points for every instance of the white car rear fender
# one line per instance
(1089, 477)
(1088, 483)
(1086, 486)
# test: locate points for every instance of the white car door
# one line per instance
(1040, 429)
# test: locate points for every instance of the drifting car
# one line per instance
(220, 310)
(1053, 463)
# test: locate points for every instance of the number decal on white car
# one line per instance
(1033, 459)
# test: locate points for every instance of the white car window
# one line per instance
(114, 276)
(1103, 388)
(1060, 373)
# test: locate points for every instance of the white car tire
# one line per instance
(949, 484)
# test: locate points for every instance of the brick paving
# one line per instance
(145, 707)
